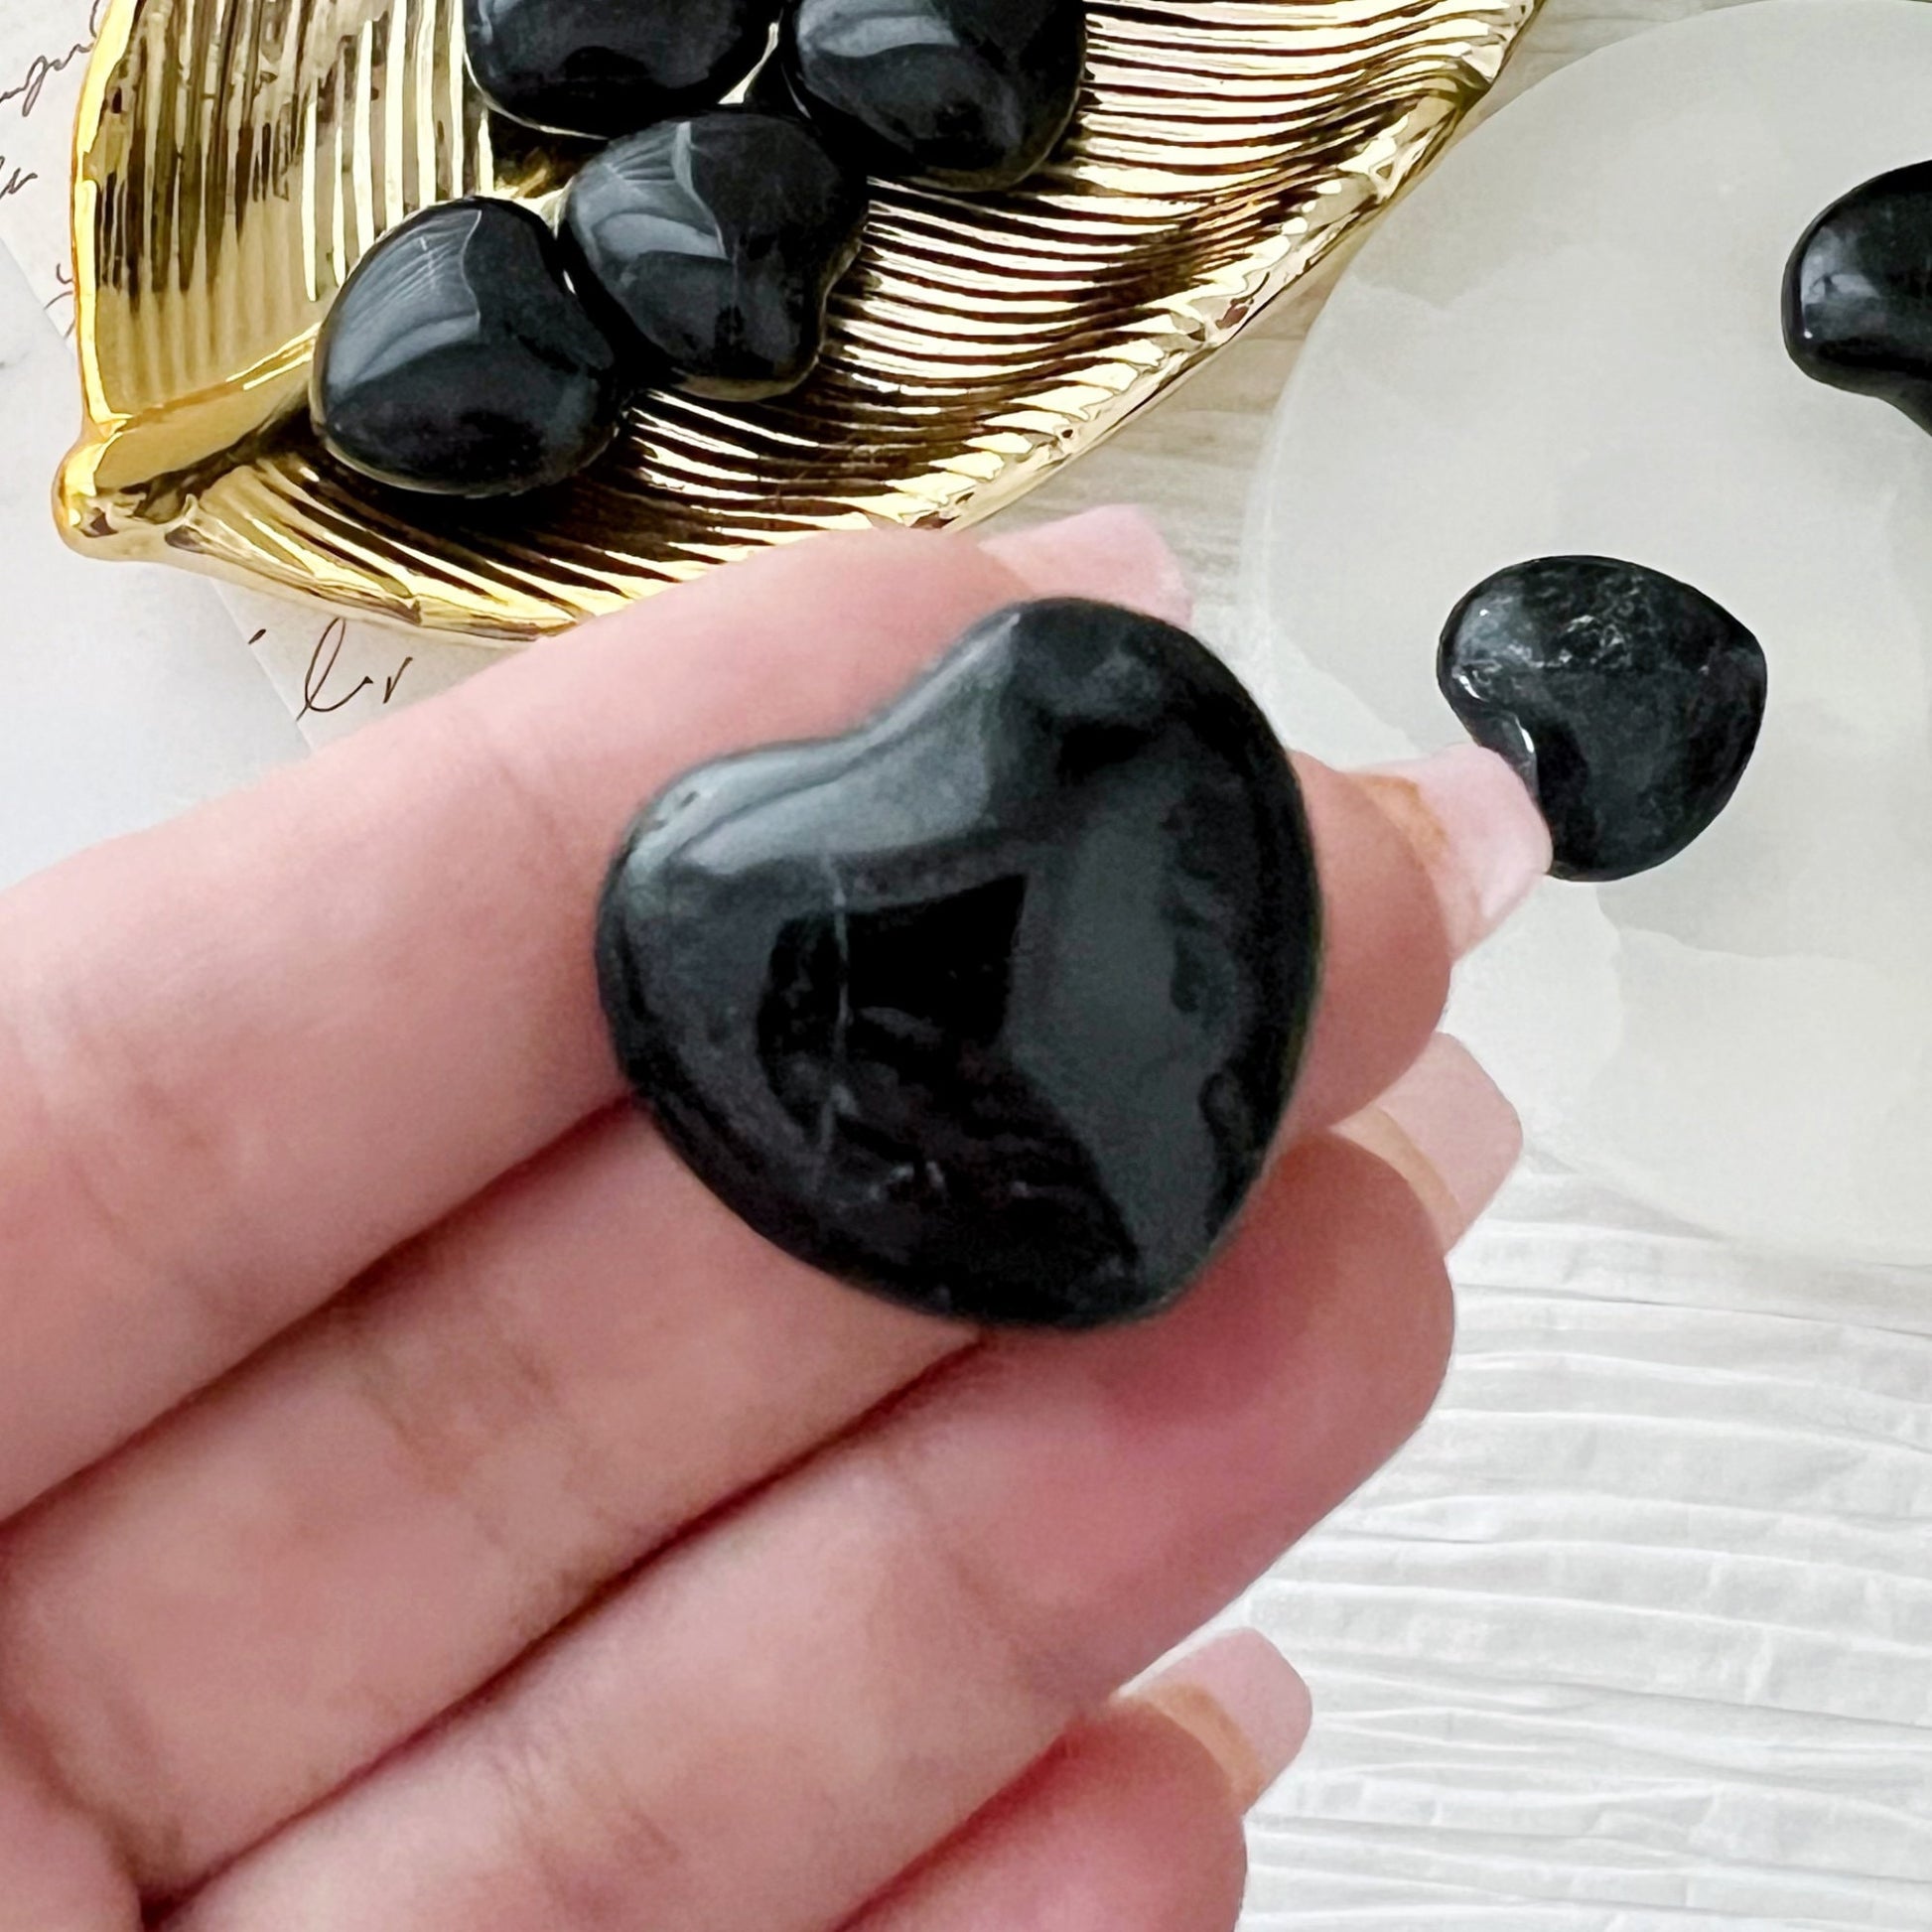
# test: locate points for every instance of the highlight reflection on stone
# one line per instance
(603, 67)
(993, 1004)
(455, 359)
(1630, 703)
(709, 246)
(1858, 293)
(970, 95)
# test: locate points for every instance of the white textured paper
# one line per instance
(125, 695)
(44, 49)
(338, 673)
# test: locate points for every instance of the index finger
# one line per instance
(245, 1055)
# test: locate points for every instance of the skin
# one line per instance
(424, 1506)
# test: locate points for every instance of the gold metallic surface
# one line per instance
(235, 158)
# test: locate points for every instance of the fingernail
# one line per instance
(1244, 1701)
(1448, 1130)
(1475, 829)
(1116, 554)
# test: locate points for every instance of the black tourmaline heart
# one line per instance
(603, 67)
(993, 1005)
(709, 246)
(1858, 293)
(1628, 702)
(971, 94)
(455, 359)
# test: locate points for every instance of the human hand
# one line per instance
(427, 1508)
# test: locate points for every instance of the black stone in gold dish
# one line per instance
(708, 248)
(236, 157)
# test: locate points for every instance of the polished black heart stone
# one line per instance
(1628, 702)
(709, 246)
(603, 67)
(993, 1005)
(1858, 293)
(455, 358)
(969, 94)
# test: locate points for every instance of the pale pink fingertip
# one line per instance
(1475, 829)
(1450, 1131)
(1244, 1701)
(1115, 554)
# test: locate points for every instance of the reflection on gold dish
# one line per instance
(235, 158)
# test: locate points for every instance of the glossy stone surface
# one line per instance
(969, 94)
(708, 247)
(455, 359)
(1629, 703)
(993, 1004)
(1858, 293)
(605, 68)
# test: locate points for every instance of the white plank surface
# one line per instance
(1638, 1635)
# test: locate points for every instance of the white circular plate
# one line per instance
(1567, 339)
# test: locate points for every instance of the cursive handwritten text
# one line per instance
(323, 660)
(62, 294)
(322, 666)
(42, 68)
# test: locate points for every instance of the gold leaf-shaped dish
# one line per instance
(235, 158)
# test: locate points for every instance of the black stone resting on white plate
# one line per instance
(993, 1005)
(603, 67)
(968, 94)
(1858, 293)
(1629, 703)
(454, 358)
(708, 248)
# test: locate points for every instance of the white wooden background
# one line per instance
(1638, 1635)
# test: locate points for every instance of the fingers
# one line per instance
(1478, 833)
(1132, 1823)
(1418, 865)
(244, 1054)
(355, 1531)
(773, 1720)
(1452, 1153)
(1085, 556)
(58, 1872)
(358, 1529)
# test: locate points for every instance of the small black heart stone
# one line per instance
(969, 94)
(1629, 703)
(603, 67)
(455, 359)
(709, 247)
(1858, 293)
(993, 1005)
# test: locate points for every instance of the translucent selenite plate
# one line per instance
(1568, 340)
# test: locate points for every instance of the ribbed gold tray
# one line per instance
(234, 157)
